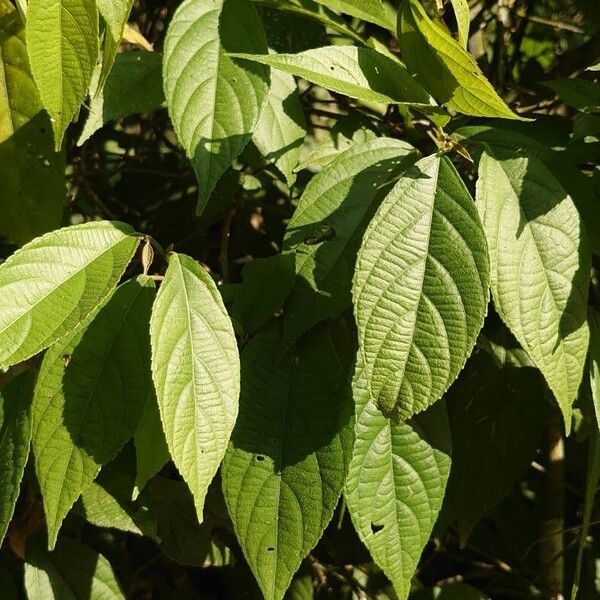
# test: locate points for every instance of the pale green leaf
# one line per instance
(494, 438)
(463, 20)
(134, 85)
(373, 11)
(214, 101)
(19, 98)
(115, 14)
(195, 367)
(326, 230)
(151, 451)
(444, 67)
(421, 287)
(285, 467)
(15, 436)
(62, 42)
(72, 572)
(53, 283)
(33, 181)
(89, 396)
(396, 482)
(280, 131)
(360, 73)
(540, 266)
(578, 93)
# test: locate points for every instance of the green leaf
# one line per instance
(421, 288)
(396, 482)
(195, 367)
(53, 283)
(33, 180)
(62, 42)
(90, 393)
(266, 284)
(463, 20)
(72, 572)
(327, 227)
(151, 451)
(285, 467)
(133, 86)
(493, 438)
(19, 98)
(373, 11)
(214, 101)
(15, 436)
(444, 67)
(578, 93)
(115, 14)
(540, 266)
(279, 133)
(360, 73)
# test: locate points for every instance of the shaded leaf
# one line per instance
(396, 482)
(285, 467)
(421, 287)
(578, 93)
(89, 396)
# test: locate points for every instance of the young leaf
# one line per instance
(62, 42)
(33, 176)
(540, 266)
(444, 67)
(421, 288)
(151, 451)
(360, 73)
(214, 101)
(71, 572)
(488, 403)
(15, 436)
(396, 482)
(133, 86)
(195, 367)
(115, 14)
(373, 11)
(285, 467)
(279, 133)
(53, 283)
(327, 227)
(90, 393)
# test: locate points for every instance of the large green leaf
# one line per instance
(15, 437)
(285, 467)
(53, 283)
(214, 101)
(373, 11)
(396, 482)
(89, 396)
(497, 417)
(115, 14)
(72, 572)
(421, 287)
(360, 73)
(133, 86)
(33, 182)
(327, 227)
(444, 67)
(579, 93)
(62, 42)
(280, 131)
(540, 266)
(195, 367)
